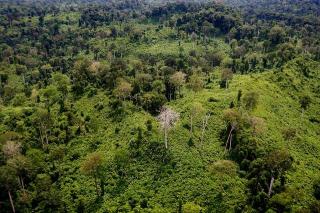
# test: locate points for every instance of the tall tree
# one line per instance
(196, 82)
(226, 76)
(21, 165)
(43, 121)
(62, 83)
(123, 89)
(92, 166)
(278, 162)
(177, 80)
(205, 120)
(8, 180)
(11, 149)
(277, 34)
(167, 119)
(234, 120)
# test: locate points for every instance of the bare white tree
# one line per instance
(233, 118)
(167, 119)
(204, 125)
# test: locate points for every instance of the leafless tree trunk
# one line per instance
(204, 125)
(167, 119)
(41, 138)
(21, 182)
(166, 138)
(191, 118)
(47, 140)
(43, 134)
(230, 146)
(11, 201)
(23, 79)
(229, 137)
(270, 186)
(96, 184)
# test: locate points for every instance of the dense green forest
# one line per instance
(160, 106)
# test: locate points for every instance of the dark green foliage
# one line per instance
(152, 102)
(239, 96)
(226, 76)
(149, 125)
(305, 102)
(116, 109)
(315, 207)
(316, 188)
(190, 142)
(212, 99)
(48, 196)
(259, 167)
